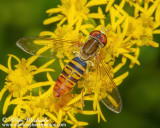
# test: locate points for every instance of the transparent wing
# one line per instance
(47, 47)
(112, 100)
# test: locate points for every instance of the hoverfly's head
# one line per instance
(101, 37)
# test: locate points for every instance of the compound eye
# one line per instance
(103, 39)
(95, 33)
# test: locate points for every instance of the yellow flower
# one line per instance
(137, 30)
(74, 11)
(31, 108)
(126, 31)
(21, 79)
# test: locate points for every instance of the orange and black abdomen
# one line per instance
(70, 75)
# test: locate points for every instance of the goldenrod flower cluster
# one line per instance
(126, 32)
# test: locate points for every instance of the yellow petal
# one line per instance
(126, 50)
(44, 66)
(118, 22)
(84, 16)
(84, 31)
(121, 5)
(39, 84)
(154, 44)
(127, 39)
(71, 117)
(146, 4)
(49, 77)
(2, 93)
(95, 101)
(139, 8)
(120, 78)
(100, 112)
(71, 15)
(3, 68)
(77, 98)
(47, 93)
(52, 19)
(62, 21)
(136, 54)
(31, 60)
(7, 102)
(101, 13)
(47, 33)
(119, 31)
(74, 126)
(121, 10)
(78, 25)
(96, 2)
(132, 58)
(69, 121)
(87, 112)
(53, 10)
(43, 70)
(87, 26)
(59, 118)
(156, 25)
(109, 4)
(15, 57)
(80, 123)
(152, 8)
(61, 64)
(124, 60)
(136, 12)
(9, 63)
(42, 50)
(96, 15)
(16, 101)
(51, 116)
(89, 97)
(156, 31)
(157, 14)
(112, 15)
(113, 101)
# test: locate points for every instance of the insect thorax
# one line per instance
(89, 49)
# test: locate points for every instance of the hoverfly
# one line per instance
(75, 69)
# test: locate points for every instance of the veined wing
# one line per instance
(112, 100)
(44, 46)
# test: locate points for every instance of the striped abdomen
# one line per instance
(70, 75)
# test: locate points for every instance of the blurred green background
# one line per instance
(140, 91)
